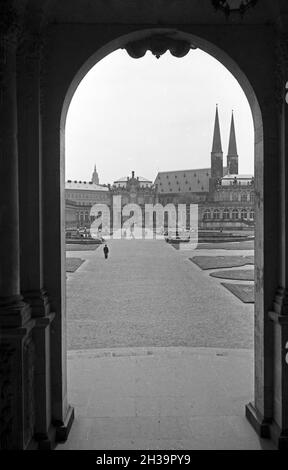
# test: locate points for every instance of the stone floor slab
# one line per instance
(177, 398)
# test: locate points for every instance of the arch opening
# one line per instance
(231, 214)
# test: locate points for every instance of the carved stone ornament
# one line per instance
(158, 44)
(281, 68)
(233, 6)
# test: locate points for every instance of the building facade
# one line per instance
(133, 194)
(80, 197)
(225, 199)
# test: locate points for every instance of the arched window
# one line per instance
(235, 197)
(244, 214)
(244, 197)
(216, 214)
(226, 214)
(252, 197)
(235, 214)
(207, 215)
(252, 215)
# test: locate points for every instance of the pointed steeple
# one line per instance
(232, 141)
(95, 177)
(232, 156)
(217, 153)
(217, 145)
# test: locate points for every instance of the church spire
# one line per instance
(232, 142)
(95, 177)
(232, 157)
(217, 146)
(217, 153)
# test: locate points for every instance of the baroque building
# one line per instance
(135, 192)
(80, 196)
(225, 199)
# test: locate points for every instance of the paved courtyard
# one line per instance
(160, 353)
(148, 294)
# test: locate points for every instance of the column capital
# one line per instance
(14, 312)
(281, 68)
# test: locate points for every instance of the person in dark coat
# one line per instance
(106, 251)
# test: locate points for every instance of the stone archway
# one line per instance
(46, 47)
(159, 40)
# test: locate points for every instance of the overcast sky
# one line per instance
(152, 115)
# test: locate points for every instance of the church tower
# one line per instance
(217, 153)
(232, 157)
(95, 177)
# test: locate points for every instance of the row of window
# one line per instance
(83, 217)
(177, 182)
(236, 197)
(184, 176)
(87, 196)
(179, 190)
(235, 214)
(243, 197)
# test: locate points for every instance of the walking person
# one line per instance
(106, 251)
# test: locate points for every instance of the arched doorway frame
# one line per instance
(263, 341)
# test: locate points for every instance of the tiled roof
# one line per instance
(195, 181)
(85, 185)
(239, 177)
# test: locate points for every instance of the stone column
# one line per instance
(9, 222)
(30, 165)
(279, 312)
(16, 343)
(31, 226)
(54, 256)
(267, 253)
(270, 414)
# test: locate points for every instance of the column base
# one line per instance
(279, 316)
(41, 336)
(38, 301)
(280, 438)
(46, 441)
(63, 429)
(17, 364)
(260, 425)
